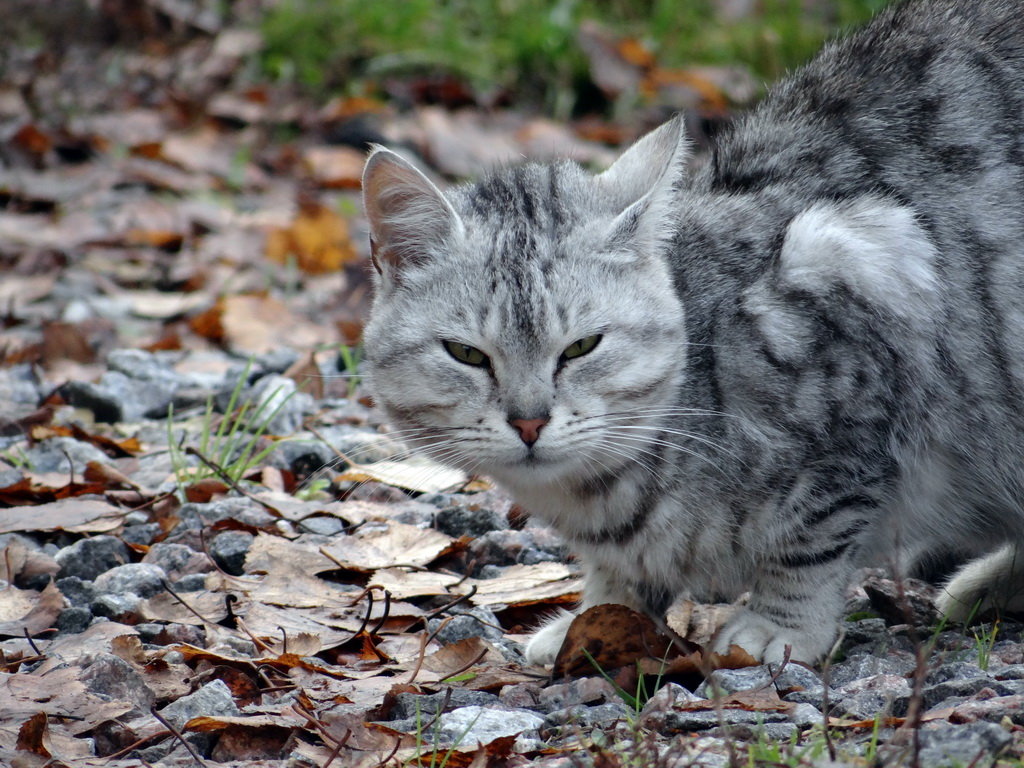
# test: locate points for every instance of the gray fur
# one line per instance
(813, 345)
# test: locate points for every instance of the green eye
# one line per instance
(581, 347)
(466, 354)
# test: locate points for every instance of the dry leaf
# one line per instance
(318, 239)
(335, 167)
(527, 585)
(387, 545)
(417, 473)
(697, 622)
(607, 637)
(73, 515)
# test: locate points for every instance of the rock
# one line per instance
(521, 696)
(277, 406)
(137, 398)
(675, 722)
(141, 534)
(468, 521)
(143, 579)
(246, 511)
(726, 681)
(863, 665)
(466, 623)
(193, 582)
(88, 558)
(73, 620)
(76, 591)
(480, 725)
(104, 404)
(798, 679)
(229, 548)
(865, 632)
(52, 455)
(573, 718)
(111, 676)
(865, 698)
(123, 608)
(408, 706)
(944, 745)
(322, 525)
(950, 692)
(583, 690)
(177, 560)
(213, 699)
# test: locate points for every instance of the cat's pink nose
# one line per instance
(529, 429)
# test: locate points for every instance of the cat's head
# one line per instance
(526, 326)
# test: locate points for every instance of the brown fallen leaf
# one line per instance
(335, 167)
(317, 238)
(607, 637)
(697, 622)
(27, 611)
(72, 515)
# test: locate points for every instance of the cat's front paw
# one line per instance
(766, 641)
(547, 641)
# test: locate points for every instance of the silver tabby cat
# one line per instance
(757, 375)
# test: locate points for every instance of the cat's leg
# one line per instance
(796, 603)
(599, 588)
(991, 583)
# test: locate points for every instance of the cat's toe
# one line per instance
(768, 642)
(547, 641)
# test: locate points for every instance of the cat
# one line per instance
(754, 374)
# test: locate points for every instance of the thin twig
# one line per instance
(177, 734)
(31, 642)
(190, 451)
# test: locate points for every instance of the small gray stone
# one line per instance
(865, 631)
(466, 623)
(863, 665)
(863, 699)
(88, 558)
(192, 582)
(427, 706)
(138, 398)
(805, 715)
(796, 678)
(144, 579)
(213, 699)
(52, 455)
(116, 679)
(229, 548)
(140, 534)
(937, 694)
(277, 406)
(177, 560)
(73, 620)
(76, 591)
(977, 744)
(244, 510)
(581, 716)
(480, 725)
(675, 722)
(123, 608)
(324, 525)
(583, 690)
(726, 681)
(467, 521)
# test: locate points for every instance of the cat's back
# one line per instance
(930, 89)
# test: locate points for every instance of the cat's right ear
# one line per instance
(409, 217)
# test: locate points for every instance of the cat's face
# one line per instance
(525, 327)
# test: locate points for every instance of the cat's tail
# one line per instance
(994, 583)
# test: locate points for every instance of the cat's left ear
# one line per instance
(641, 183)
(409, 217)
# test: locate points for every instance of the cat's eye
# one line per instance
(466, 354)
(581, 347)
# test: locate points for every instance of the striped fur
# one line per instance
(812, 346)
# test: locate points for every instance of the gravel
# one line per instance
(107, 578)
